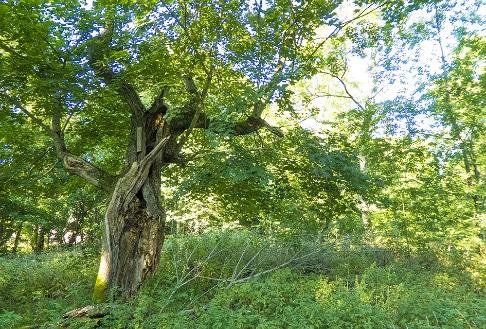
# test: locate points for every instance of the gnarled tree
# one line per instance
(151, 73)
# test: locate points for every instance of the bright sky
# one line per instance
(425, 57)
(88, 4)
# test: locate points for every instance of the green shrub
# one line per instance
(40, 288)
(245, 280)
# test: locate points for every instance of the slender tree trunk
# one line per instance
(5, 235)
(17, 238)
(39, 242)
(363, 205)
(35, 237)
(467, 152)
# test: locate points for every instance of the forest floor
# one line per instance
(243, 280)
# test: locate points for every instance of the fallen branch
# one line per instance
(246, 278)
(91, 311)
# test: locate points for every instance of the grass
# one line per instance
(243, 280)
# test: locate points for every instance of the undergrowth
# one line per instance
(243, 280)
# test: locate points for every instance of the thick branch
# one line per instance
(29, 114)
(98, 52)
(198, 104)
(98, 49)
(253, 124)
(130, 95)
(128, 186)
(158, 105)
(245, 127)
(72, 163)
(82, 168)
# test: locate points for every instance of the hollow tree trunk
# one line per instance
(132, 243)
(134, 219)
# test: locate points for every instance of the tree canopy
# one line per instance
(128, 122)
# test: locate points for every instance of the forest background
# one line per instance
(242, 163)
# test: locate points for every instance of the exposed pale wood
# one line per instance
(139, 139)
(134, 223)
(91, 311)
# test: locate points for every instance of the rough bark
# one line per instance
(134, 220)
(135, 236)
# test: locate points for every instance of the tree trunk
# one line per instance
(17, 238)
(134, 219)
(132, 245)
(132, 239)
(39, 241)
(5, 234)
(363, 205)
(35, 237)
